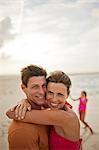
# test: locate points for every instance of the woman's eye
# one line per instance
(49, 92)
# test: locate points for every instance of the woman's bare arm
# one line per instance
(45, 117)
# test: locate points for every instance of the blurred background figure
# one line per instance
(82, 108)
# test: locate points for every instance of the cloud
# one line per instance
(60, 19)
(4, 56)
(62, 29)
(5, 31)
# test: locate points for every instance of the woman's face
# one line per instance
(56, 95)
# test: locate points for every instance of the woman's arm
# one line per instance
(45, 117)
(21, 108)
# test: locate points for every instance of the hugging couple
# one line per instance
(44, 120)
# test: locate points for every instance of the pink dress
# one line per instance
(82, 104)
(57, 142)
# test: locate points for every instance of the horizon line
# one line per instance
(76, 73)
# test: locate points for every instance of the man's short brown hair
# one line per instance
(30, 71)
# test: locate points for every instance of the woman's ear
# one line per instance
(66, 96)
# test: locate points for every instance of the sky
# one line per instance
(56, 34)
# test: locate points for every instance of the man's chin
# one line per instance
(37, 101)
(40, 101)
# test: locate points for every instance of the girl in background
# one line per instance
(82, 108)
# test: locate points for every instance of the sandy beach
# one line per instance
(10, 93)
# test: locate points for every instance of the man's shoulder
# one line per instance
(23, 125)
(18, 125)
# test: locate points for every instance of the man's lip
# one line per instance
(40, 97)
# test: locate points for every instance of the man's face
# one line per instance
(56, 95)
(36, 89)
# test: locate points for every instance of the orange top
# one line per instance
(26, 136)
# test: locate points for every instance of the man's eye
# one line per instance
(44, 86)
(60, 94)
(34, 87)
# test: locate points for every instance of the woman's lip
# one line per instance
(53, 104)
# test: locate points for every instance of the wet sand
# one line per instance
(90, 141)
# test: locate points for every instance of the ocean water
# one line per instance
(11, 93)
(89, 83)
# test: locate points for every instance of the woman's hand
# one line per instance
(22, 107)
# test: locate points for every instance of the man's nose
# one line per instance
(41, 90)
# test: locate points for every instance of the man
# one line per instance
(25, 136)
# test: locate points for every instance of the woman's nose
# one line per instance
(54, 97)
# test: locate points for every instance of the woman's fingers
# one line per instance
(24, 110)
(21, 109)
(17, 111)
(13, 108)
(29, 107)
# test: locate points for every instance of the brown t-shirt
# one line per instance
(26, 136)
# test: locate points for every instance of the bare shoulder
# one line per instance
(72, 118)
(72, 126)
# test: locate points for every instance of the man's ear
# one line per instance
(23, 87)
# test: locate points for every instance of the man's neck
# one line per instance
(34, 105)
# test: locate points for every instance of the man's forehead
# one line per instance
(37, 79)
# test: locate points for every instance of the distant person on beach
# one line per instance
(26, 136)
(82, 108)
(64, 124)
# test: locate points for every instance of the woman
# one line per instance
(65, 126)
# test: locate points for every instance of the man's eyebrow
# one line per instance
(35, 84)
